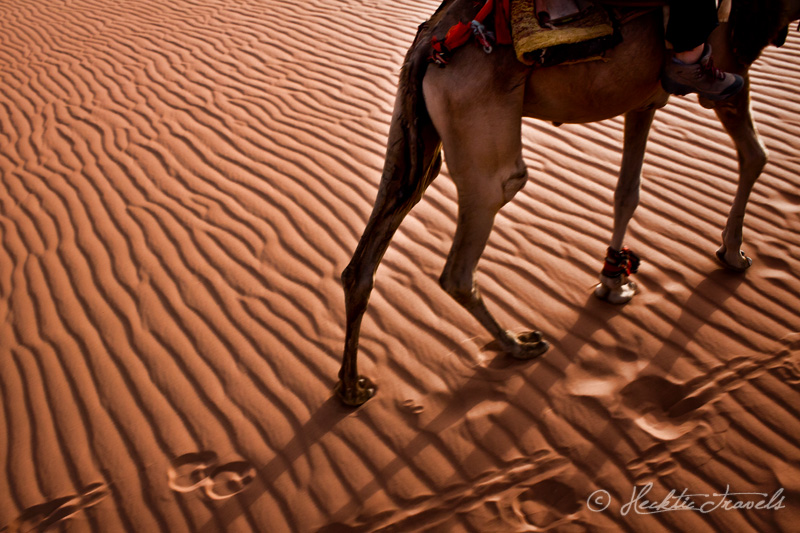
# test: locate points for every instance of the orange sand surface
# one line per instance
(182, 183)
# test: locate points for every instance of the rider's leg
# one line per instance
(691, 69)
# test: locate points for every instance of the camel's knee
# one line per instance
(627, 200)
(357, 287)
(514, 183)
(754, 160)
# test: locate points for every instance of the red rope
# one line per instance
(459, 34)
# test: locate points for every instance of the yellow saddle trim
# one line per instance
(530, 37)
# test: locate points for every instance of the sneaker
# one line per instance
(702, 78)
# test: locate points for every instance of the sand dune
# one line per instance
(182, 183)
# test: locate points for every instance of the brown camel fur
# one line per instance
(473, 109)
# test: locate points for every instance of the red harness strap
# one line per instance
(459, 34)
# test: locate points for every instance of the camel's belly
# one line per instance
(627, 78)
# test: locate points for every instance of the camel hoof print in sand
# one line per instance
(200, 471)
(472, 110)
(47, 516)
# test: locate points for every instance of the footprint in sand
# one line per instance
(548, 503)
(411, 406)
(229, 479)
(787, 365)
(789, 371)
(666, 410)
(42, 516)
(675, 415)
(199, 470)
(189, 472)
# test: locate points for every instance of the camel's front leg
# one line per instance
(738, 122)
(615, 285)
(413, 160)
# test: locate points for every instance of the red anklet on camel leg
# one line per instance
(620, 262)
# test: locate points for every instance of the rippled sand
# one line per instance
(182, 183)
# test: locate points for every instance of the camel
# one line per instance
(473, 108)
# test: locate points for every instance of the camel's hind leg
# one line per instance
(483, 148)
(412, 161)
(738, 122)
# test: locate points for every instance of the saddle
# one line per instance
(552, 32)
(543, 32)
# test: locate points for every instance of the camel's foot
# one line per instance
(736, 262)
(356, 394)
(528, 346)
(617, 290)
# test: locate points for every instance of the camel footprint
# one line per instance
(665, 409)
(189, 472)
(548, 503)
(201, 471)
(787, 364)
(42, 516)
